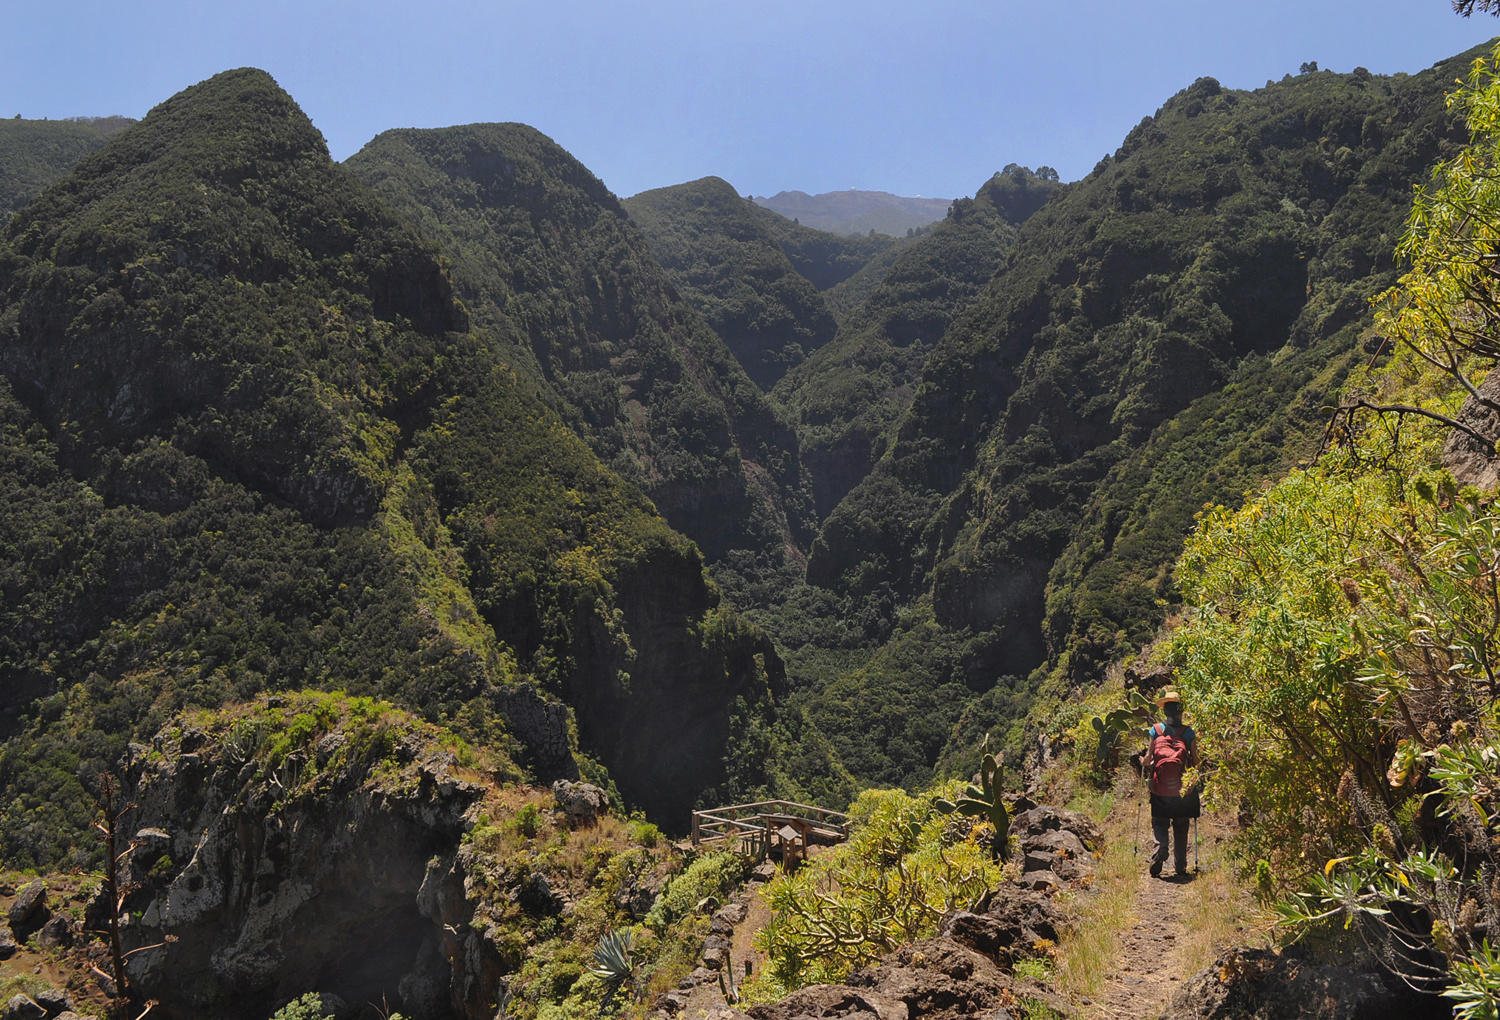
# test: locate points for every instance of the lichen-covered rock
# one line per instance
(939, 979)
(715, 952)
(1470, 461)
(580, 803)
(1266, 984)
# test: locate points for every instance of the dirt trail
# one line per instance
(1149, 965)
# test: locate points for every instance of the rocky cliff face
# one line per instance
(332, 870)
(320, 843)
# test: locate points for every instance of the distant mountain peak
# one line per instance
(857, 212)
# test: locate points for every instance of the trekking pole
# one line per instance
(1195, 844)
(1136, 849)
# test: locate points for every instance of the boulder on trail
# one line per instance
(1268, 984)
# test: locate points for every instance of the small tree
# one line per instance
(111, 811)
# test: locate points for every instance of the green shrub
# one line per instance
(308, 1007)
(644, 833)
(890, 883)
(713, 875)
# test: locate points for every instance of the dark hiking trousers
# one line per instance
(1179, 840)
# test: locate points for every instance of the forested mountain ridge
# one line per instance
(1082, 403)
(251, 443)
(723, 258)
(34, 153)
(543, 252)
(846, 396)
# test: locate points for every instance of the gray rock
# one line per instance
(732, 914)
(1045, 819)
(29, 911)
(1039, 860)
(57, 933)
(1464, 456)
(1041, 880)
(53, 1000)
(329, 746)
(1282, 985)
(536, 896)
(542, 726)
(763, 872)
(580, 803)
(20, 1007)
(833, 1001)
(715, 951)
(8, 944)
(1058, 841)
(1009, 928)
(671, 1002)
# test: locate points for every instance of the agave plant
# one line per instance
(984, 801)
(612, 961)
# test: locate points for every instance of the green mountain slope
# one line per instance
(544, 255)
(730, 267)
(1162, 334)
(827, 260)
(34, 153)
(846, 397)
(249, 442)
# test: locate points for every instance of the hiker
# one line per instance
(1171, 748)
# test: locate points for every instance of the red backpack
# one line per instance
(1169, 753)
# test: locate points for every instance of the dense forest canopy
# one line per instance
(34, 153)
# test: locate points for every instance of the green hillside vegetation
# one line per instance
(546, 259)
(849, 294)
(250, 444)
(1225, 254)
(846, 397)
(827, 260)
(729, 266)
(1337, 635)
(34, 153)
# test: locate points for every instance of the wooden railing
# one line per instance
(753, 826)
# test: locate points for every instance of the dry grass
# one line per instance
(1220, 910)
(1091, 943)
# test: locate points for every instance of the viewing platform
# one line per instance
(767, 826)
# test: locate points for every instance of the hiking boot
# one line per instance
(1156, 869)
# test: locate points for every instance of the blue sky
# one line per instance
(915, 98)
